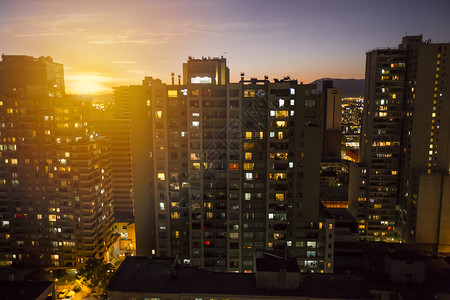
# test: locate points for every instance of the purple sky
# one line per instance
(111, 43)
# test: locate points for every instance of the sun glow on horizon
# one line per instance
(88, 83)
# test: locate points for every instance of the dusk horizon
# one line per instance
(106, 44)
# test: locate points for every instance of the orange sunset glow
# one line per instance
(109, 43)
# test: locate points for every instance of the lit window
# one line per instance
(175, 215)
(292, 91)
(249, 176)
(279, 197)
(311, 244)
(172, 93)
(310, 253)
(281, 124)
(249, 93)
(158, 114)
(161, 176)
(247, 196)
(277, 176)
(248, 135)
(281, 113)
(234, 235)
(195, 124)
(249, 166)
(248, 155)
(249, 145)
(272, 134)
(280, 102)
(201, 80)
(234, 166)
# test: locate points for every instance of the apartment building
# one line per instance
(223, 169)
(404, 140)
(55, 194)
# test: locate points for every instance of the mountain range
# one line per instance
(350, 87)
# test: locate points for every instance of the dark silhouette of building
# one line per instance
(276, 278)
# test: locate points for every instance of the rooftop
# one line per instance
(24, 290)
(158, 276)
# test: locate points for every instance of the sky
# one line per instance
(103, 44)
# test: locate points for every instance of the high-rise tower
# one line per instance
(404, 140)
(223, 169)
(20, 72)
(55, 198)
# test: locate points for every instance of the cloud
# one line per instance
(127, 40)
(51, 25)
(136, 71)
(46, 33)
(144, 37)
(126, 62)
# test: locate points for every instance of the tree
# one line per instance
(95, 274)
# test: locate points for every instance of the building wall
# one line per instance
(432, 226)
(119, 132)
(132, 103)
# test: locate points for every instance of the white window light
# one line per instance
(203, 80)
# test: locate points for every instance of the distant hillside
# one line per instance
(350, 87)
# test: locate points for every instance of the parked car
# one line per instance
(69, 295)
(62, 294)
